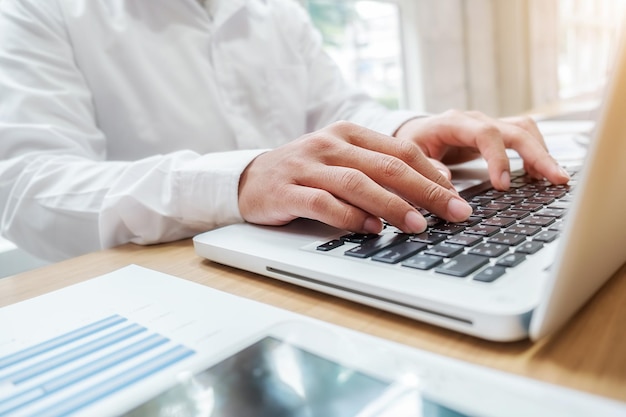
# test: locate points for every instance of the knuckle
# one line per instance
(351, 180)
(391, 167)
(488, 130)
(406, 150)
(434, 194)
(320, 143)
(315, 202)
(342, 127)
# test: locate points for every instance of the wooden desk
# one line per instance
(588, 354)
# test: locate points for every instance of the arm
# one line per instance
(59, 196)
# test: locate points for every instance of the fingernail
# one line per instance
(415, 222)
(458, 209)
(505, 179)
(563, 172)
(372, 225)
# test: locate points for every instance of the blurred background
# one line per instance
(502, 57)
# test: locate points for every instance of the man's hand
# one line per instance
(349, 177)
(454, 137)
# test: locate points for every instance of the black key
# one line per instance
(557, 227)
(484, 214)
(529, 247)
(551, 212)
(358, 237)
(511, 260)
(444, 249)
(494, 193)
(471, 221)
(399, 252)
(432, 221)
(526, 206)
(499, 221)
(462, 265)
(522, 193)
(490, 274)
(523, 229)
(507, 239)
(330, 245)
(372, 246)
(421, 261)
(515, 214)
(448, 228)
(541, 200)
(491, 250)
(546, 236)
(481, 200)
(496, 206)
(509, 200)
(538, 221)
(464, 240)
(429, 237)
(482, 230)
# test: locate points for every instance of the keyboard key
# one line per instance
(429, 237)
(400, 252)
(491, 250)
(516, 214)
(538, 221)
(462, 265)
(507, 239)
(529, 247)
(526, 206)
(464, 240)
(546, 236)
(448, 228)
(499, 221)
(445, 250)
(490, 274)
(511, 260)
(496, 206)
(551, 212)
(358, 237)
(330, 245)
(422, 261)
(484, 214)
(471, 221)
(482, 230)
(372, 246)
(523, 229)
(541, 200)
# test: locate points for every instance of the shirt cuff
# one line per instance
(209, 188)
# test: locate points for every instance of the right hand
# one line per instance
(349, 177)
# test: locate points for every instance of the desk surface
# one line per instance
(588, 354)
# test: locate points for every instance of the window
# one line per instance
(589, 31)
(364, 38)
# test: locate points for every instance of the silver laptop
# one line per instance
(523, 265)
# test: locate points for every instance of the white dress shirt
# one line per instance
(131, 121)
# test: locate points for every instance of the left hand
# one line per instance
(454, 137)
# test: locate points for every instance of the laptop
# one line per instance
(524, 264)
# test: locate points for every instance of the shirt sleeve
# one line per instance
(59, 196)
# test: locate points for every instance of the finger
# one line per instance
(441, 167)
(472, 130)
(523, 135)
(537, 161)
(404, 150)
(319, 204)
(358, 189)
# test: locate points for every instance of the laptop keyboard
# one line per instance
(505, 228)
